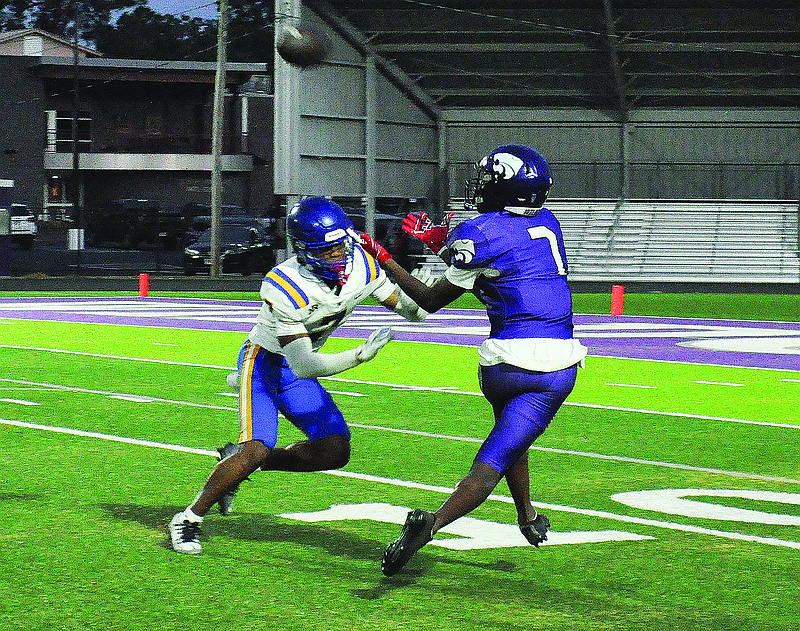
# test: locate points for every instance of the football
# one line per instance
(304, 45)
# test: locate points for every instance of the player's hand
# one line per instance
(433, 235)
(371, 246)
(375, 342)
(423, 275)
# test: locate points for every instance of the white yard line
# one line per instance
(589, 454)
(584, 454)
(427, 487)
(718, 383)
(632, 385)
(451, 389)
(111, 437)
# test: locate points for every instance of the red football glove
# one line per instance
(371, 246)
(432, 235)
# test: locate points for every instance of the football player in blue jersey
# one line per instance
(306, 298)
(511, 256)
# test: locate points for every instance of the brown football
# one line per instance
(304, 45)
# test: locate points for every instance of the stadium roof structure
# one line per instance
(614, 55)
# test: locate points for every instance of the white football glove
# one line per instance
(407, 307)
(423, 274)
(375, 342)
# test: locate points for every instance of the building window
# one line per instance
(59, 131)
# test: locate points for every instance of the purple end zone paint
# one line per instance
(768, 344)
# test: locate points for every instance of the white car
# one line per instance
(23, 226)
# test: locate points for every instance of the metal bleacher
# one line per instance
(715, 241)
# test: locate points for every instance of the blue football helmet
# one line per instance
(316, 223)
(513, 178)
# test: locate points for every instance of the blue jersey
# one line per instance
(521, 272)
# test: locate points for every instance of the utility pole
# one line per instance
(216, 139)
(77, 217)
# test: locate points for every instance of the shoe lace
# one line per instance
(190, 531)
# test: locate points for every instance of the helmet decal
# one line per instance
(335, 235)
(505, 165)
(514, 178)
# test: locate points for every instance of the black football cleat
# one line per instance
(535, 531)
(415, 534)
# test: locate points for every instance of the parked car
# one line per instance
(128, 223)
(198, 219)
(23, 226)
(245, 247)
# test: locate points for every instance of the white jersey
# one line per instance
(296, 302)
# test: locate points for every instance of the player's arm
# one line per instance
(432, 298)
(402, 304)
(309, 364)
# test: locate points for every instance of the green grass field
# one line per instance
(106, 431)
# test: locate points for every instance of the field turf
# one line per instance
(106, 431)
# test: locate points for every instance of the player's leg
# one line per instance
(524, 402)
(310, 408)
(258, 420)
(330, 452)
(518, 480)
(470, 492)
(533, 525)
(184, 528)
(229, 473)
(420, 525)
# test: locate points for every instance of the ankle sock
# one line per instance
(192, 516)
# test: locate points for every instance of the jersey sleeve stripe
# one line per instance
(288, 287)
(371, 265)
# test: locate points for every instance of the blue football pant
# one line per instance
(524, 403)
(269, 386)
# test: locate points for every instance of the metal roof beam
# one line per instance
(357, 39)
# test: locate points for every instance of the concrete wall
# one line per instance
(22, 134)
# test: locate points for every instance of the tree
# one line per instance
(144, 34)
(138, 32)
(13, 14)
(251, 27)
(59, 17)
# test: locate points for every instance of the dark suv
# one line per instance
(246, 247)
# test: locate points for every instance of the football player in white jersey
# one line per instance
(306, 298)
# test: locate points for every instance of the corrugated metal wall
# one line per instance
(671, 154)
(345, 130)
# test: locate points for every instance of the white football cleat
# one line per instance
(185, 535)
(233, 381)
